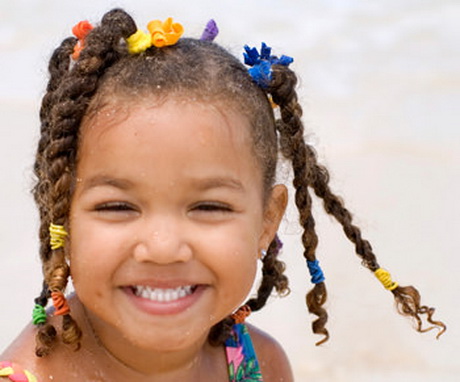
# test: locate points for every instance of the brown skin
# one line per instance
(64, 364)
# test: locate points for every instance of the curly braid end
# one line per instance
(407, 300)
(315, 300)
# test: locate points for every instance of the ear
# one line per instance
(274, 211)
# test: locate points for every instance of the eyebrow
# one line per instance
(218, 182)
(102, 180)
(201, 184)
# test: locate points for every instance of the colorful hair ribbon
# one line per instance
(316, 272)
(162, 33)
(261, 63)
(139, 42)
(165, 33)
(210, 31)
(80, 31)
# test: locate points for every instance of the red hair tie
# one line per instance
(80, 31)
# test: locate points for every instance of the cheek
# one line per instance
(232, 255)
(93, 253)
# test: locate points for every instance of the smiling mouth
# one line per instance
(163, 295)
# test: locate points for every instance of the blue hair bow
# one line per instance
(261, 63)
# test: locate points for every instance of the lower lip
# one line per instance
(165, 308)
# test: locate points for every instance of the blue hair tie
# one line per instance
(316, 272)
(261, 63)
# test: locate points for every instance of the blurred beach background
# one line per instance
(380, 87)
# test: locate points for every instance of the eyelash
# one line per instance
(126, 207)
(114, 206)
(213, 207)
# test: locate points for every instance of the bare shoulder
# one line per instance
(21, 353)
(22, 350)
(273, 361)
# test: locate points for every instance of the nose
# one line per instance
(162, 241)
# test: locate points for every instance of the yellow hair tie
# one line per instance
(139, 42)
(385, 278)
(165, 33)
(57, 236)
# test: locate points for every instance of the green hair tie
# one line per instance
(38, 315)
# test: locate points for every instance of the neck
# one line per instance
(119, 359)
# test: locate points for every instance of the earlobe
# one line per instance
(274, 211)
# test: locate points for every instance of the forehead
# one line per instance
(180, 133)
(175, 117)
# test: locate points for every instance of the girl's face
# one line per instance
(167, 220)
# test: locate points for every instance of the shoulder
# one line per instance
(21, 352)
(273, 361)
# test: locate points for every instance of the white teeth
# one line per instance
(162, 295)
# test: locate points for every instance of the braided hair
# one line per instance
(195, 70)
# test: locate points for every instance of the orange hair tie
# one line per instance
(165, 32)
(60, 304)
(80, 31)
(240, 315)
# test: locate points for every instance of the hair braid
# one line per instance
(290, 127)
(308, 172)
(69, 93)
(407, 298)
(58, 68)
(272, 277)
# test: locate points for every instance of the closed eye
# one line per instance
(114, 207)
(212, 207)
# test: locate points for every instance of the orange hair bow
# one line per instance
(80, 31)
(165, 33)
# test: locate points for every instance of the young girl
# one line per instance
(156, 191)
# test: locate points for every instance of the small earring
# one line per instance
(263, 253)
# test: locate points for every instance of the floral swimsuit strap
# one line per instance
(15, 373)
(241, 357)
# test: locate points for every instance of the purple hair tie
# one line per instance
(210, 31)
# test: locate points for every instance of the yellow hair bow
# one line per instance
(385, 278)
(138, 42)
(165, 33)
